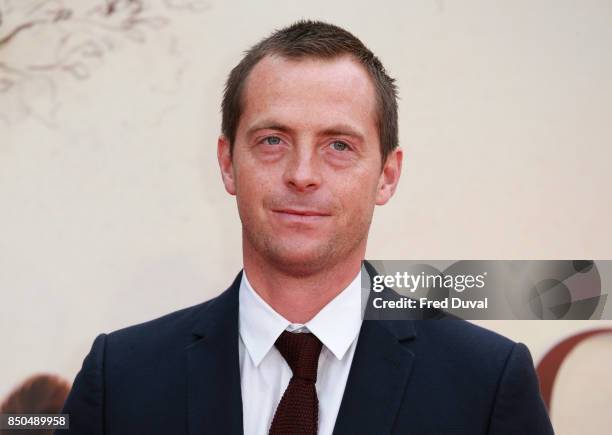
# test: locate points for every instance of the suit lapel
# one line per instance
(378, 378)
(379, 374)
(213, 372)
(375, 387)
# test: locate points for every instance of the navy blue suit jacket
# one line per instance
(180, 375)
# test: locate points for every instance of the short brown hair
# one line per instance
(317, 39)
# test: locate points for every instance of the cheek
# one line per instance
(252, 189)
(248, 178)
(356, 198)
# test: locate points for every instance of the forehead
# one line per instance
(311, 93)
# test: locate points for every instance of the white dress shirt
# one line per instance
(265, 374)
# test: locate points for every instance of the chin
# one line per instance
(301, 259)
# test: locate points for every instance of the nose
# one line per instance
(302, 172)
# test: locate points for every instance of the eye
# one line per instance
(272, 140)
(339, 146)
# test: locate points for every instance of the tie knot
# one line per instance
(301, 351)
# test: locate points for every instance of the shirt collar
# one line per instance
(336, 325)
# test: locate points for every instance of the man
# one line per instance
(308, 147)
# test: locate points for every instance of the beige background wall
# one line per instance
(111, 207)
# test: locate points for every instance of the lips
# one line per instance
(304, 216)
(300, 212)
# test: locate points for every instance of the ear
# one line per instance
(389, 177)
(226, 165)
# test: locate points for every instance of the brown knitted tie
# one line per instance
(298, 409)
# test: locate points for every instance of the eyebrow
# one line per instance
(342, 130)
(268, 125)
(335, 130)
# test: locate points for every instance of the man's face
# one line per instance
(306, 163)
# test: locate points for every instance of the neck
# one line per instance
(299, 297)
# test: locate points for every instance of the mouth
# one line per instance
(300, 215)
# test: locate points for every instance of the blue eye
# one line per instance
(272, 140)
(339, 146)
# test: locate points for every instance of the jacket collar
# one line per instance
(214, 399)
(378, 377)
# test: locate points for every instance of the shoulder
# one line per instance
(176, 329)
(167, 324)
(462, 337)
(461, 333)
(169, 332)
(466, 349)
